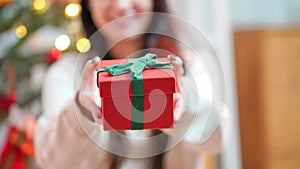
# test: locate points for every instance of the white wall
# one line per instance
(216, 19)
(212, 17)
(262, 13)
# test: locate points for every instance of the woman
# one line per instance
(60, 139)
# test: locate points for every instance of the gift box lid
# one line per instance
(116, 86)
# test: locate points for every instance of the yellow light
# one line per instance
(83, 45)
(21, 31)
(39, 5)
(62, 42)
(72, 10)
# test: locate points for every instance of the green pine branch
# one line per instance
(21, 64)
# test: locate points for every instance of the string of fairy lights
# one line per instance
(62, 42)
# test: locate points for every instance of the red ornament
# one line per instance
(53, 55)
(12, 156)
(7, 101)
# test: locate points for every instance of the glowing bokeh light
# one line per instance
(21, 31)
(72, 10)
(62, 42)
(83, 45)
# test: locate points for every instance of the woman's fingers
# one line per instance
(178, 106)
(178, 65)
(178, 101)
(89, 68)
(89, 96)
(94, 62)
(92, 107)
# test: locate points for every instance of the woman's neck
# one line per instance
(127, 47)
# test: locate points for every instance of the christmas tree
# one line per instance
(33, 35)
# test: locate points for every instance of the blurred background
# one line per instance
(258, 43)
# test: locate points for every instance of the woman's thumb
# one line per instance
(94, 62)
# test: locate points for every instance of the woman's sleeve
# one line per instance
(200, 122)
(60, 141)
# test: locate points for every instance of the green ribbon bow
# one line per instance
(135, 67)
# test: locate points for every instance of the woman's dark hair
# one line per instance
(161, 24)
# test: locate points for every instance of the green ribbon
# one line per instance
(135, 67)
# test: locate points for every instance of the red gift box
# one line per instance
(124, 109)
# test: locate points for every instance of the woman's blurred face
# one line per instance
(106, 11)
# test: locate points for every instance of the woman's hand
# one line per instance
(88, 94)
(178, 99)
(89, 98)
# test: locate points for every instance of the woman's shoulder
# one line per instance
(66, 60)
(65, 65)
